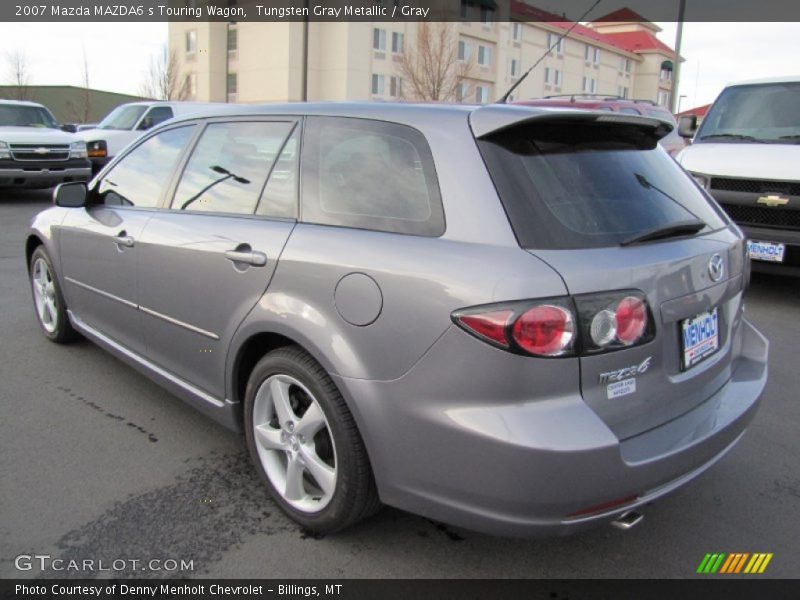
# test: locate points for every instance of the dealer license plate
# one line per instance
(699, 337)
(769, 251)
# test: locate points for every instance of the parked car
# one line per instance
(672, 142)
(515, 320)
(34, 151)
(126, 123)
(746, 155)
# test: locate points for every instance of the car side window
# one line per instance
(279, 198)
(156, 115)
(140, 177)
(370, 175)
(229, 166)
(630, 111)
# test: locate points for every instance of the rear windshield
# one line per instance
(587, 185)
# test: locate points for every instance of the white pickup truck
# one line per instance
(34, 151)
(746, 154)
(126, 123)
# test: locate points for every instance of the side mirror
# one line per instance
(69, 127)
(687, 126)
(71, 195)
(146, 123)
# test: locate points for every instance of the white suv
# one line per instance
(34, 152)
(126, 123)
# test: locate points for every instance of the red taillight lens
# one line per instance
(631, 317)
(544, 330)
(490, 325)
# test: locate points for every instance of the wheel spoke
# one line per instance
(294, 479)
(268, 437)
(324, 475)
(51, 311)
(311, 422)
(280, 399)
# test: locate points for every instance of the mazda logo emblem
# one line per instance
(716, 267)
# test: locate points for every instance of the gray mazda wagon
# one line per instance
(516, 320)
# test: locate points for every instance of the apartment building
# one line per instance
(617, 55)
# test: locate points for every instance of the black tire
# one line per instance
(355, 496)
(62, 332)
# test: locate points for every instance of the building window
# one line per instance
(557, 77)
(547, 74)
(481, 94)
(514, 67)
(663, 98)
(484, 56)
(398, 42)
(486, 18)
(552, 76)
(379, 39)
(462, 92)
(464, 50)
(666, 74)
(190, 84)
(554, 42)
(233, 84)
(590, 85)
(464, 9)
(395, 87)
(622, 91)
(233, 39)
(625, 64)
(191, 42)
(591, 54)
(378, 84)
(516, 31)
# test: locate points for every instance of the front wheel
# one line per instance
(305, 444)
(51, 310)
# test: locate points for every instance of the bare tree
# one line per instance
(163, 80)
(82, 111)
(18, 74)
(431, 70)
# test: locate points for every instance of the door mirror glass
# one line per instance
(70, 195)
(687, 126)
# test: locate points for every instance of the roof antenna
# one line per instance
(504, 99)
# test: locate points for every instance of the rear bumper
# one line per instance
(43, 176)
(520, 468)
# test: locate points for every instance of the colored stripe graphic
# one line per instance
(734, 563)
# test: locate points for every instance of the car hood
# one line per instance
(91, 135)
(754, 161)
(35, 135)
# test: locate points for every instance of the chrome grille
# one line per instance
(761, 216)
(39, 151)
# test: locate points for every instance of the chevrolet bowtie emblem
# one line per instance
(42, 150)
(773, 200)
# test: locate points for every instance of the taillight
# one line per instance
(567, 326)
(545, 330)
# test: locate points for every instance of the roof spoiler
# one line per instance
(493, 118)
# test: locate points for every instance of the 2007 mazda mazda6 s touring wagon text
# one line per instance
(516, 320)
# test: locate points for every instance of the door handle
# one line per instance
(123, 239)
(250, 257)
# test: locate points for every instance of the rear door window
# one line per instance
(585, 185)
(229, 166)
(370, 175)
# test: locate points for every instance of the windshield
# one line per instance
(754, 113)
(122, 117)
(20, 115)
(588, 185)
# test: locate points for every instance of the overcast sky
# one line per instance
(119, 53)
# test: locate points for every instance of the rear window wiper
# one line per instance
(733, 136)
(665, 231)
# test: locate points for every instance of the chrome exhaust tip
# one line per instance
(627, 520)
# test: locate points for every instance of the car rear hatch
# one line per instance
(593, 196)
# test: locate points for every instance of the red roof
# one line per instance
(623, 15)
(699, 111)
(630, 41)
(638, 41)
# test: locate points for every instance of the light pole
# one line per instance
(677, 66)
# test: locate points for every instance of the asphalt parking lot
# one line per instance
(97, 462)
